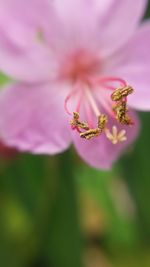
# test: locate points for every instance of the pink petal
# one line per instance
(101, 153)
(119, 24)
(79, 22)
(74, 10)
(134, 66)
(34, 118)
(102, 25)
(24, 52)
(23, 10)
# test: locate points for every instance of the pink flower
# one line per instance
(68, 56)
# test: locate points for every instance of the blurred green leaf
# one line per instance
(121, 228)
(64, 244)
(22, 177)
(135, 168)
(135, 258)
(39, 212)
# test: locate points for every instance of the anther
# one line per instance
(90, 133)
(76, 123)
(121, 93)
(102, 120)
(121, 110)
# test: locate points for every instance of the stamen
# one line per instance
(69, 96)
(102, 120)
(121, 110)
(98, 83)
(109, 87)
(76, 124)
(112, 79)
(106, 103)
(66, 102)
(92, 102)
(121, 93)
(88, 113)
(115, 136)
(90, 133)
(79, 102)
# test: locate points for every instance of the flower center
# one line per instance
(91, 93)
(79, 66)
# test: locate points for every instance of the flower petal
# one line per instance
(24, 52)
(74, 10)
(102, 25)
(80, 22)
(99, 152)
(33, 118)
(134, 66)
(119, 24)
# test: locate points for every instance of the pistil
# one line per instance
(115, 136)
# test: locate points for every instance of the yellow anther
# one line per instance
(76, 123)
(121, 93)
(121, 110)
(102, 120)
(90, 133)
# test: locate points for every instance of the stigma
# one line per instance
(115, 136)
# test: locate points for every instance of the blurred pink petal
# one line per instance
(134, 65)
(34, 119)
(120, 23)
(23, 42)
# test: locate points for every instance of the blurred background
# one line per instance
(58, 212)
